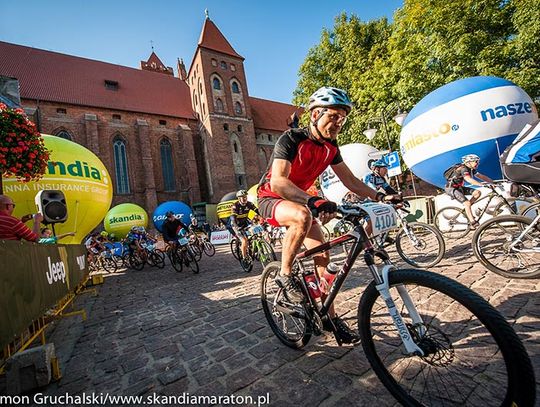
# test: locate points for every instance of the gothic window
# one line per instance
(223, 65)
(64, 134)
(235, 87)
(238, 108)
(120, 166)
(216, 84)
(239, 128)
(214, 62)
(167, 167)
(219, 105)
(226, 126)
(235, 146)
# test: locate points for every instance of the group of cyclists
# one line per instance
(299, 157)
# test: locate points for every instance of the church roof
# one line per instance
(212, 38)
(270, 115)
(54, 77)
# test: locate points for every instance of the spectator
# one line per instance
(48, 238)
(12, 228)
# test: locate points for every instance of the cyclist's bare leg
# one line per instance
(468, 211)
(244, 245)
(314, 238)
(297, 219)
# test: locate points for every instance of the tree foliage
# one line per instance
(429, 43)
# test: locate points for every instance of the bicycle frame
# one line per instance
(490, 197)
(362, 243)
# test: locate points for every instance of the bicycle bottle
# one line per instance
(328, 276)
(311, 282)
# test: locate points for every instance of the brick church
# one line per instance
(193, 136)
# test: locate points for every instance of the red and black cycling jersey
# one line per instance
(240, 213)
(308, 158)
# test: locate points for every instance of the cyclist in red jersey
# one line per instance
(299, 157)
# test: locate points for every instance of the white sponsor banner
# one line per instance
(220, 237)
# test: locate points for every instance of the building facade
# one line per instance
(191, 137)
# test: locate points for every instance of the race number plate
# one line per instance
(183, 241)
(383, 217)
(257, 229)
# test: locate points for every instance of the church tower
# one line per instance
(220, 98)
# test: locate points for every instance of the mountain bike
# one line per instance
(453, 222)
(509, 246)
(103, 261)
(258, 249)
(417, 243)
(429, 339)
(180, 255)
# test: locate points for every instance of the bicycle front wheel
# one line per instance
(421, 245)
(531, 211)
(452, 222)
(209, 248)
(495, 244)
(265, 252)
(472, 356)
(287, 321)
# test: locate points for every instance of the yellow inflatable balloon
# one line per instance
(120, 219)
(80, 175)
(252, 194)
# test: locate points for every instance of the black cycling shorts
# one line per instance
(459, 193)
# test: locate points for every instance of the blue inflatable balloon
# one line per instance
(481, 115)
(181, 211)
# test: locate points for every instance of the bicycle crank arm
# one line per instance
(294, 312)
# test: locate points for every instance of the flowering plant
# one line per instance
(22, 151)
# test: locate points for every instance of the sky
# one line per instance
(274, 36)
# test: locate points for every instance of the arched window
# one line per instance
(216, 84)
(238, 108)
(120, 166)
(167, 167)
(235, 87)
(219, 105)
(64, 134)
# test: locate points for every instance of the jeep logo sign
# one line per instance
(57, 272)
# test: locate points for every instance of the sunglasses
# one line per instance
(336, 118)
(12, 204)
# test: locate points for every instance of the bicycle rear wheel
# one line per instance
(491, 245)
(235, 248)
(452, 222)
(472, 355)
(287, 321)
(423, 248)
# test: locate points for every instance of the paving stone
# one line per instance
(209, 374)
(171, 375)
(241, 379)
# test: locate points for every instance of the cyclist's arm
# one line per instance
(471, 180)
(352, 182)
(484, 178)
(283, 186)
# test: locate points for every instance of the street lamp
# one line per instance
(399, 118)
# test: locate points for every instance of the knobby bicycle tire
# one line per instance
(235, 248)
(491, 245)
(531, 211)
(209, 248)
(470, 346)
(176, 259)
(190, 261)
(452, 222)
(290, 330)
(427, 251)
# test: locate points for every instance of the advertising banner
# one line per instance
(220, 237)
(33, 278)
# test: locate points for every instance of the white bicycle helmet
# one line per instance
(328, 96)
(469, 157)
(240, 193)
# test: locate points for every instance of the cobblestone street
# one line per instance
(159, 331)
